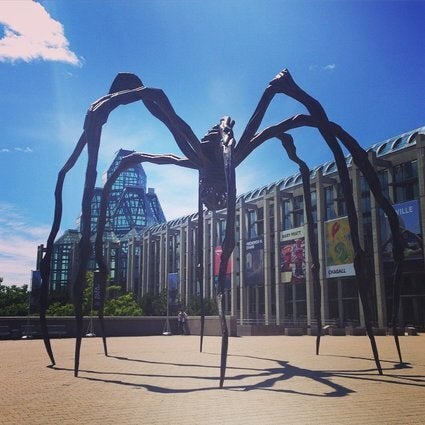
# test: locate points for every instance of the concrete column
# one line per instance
(147, 255)
(130, 266)
(381, 305)
(277, 230)
(420, 155)
(205, 255)
(167, 241)
(155, 266)
(308, 258)
(189, 258)
(207, 252)
(321, 243)
(308, 277)
(182, 268)
(163, 255)
(234, 282)
(242, 257)
(355, 178)
(267, 262)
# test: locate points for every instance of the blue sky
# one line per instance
(363, 60)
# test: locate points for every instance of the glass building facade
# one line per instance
(269, 280)
(131, 208)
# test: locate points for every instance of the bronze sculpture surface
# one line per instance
(216, 157)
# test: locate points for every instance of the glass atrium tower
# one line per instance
(132, 207)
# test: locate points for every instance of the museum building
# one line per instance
(269, 280)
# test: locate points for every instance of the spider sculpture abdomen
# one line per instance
(212, 178)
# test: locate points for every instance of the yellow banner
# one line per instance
(339, 249)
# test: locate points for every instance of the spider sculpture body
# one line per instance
(215, 157)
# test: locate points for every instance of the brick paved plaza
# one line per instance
(165, 380)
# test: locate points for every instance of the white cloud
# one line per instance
(329, 67)
(176, 187)
(23, 150)
(30, 33)
(18, 245)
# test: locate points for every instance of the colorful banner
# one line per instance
(410, 228)
(292, 256)
(254, 262)
(173, 289)
(339, 249)
(217, 258)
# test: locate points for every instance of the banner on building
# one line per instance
(97, 293)
(173, 289)
(35, 289)
(339, 249)
(292, 256)
(410, 228)
(254, 262)
(217, 258)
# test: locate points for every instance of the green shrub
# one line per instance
(154, 305)
(13, 300)
(59, 309)
(125, 305)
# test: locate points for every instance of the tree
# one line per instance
(115, 305)
(124, 305)
(113, 291)
(13, 300)
(61, 307)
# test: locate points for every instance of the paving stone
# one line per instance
(165, 379)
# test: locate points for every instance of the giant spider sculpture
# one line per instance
(215, 157)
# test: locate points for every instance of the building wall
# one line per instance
(262, 287)
(271, 223)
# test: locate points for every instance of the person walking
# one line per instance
(181, 319)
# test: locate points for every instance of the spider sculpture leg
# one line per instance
(289, 146)
(285, 83)
(360, 158)
(249, 141)
(229, 238)
(200, 264)
(84, 247)
(125, 163)
(131, 90)
(96, 117)
(158, 104)
(279, 132)
(45, 264)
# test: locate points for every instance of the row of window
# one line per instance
(405, 187)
